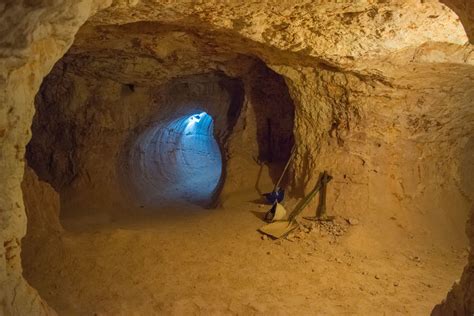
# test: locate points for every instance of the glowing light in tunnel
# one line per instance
(197, 117)
(193, 120)
(178, 160)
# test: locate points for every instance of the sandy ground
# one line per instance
(190, 261)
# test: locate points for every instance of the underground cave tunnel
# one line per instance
(177, 160)
(151, 145)
(378, 94)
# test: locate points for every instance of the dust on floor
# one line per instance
(201, 262)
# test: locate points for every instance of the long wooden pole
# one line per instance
(305, 201)
(293, 150)
(321, 211)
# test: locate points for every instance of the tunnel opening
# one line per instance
(275, 114)
(177, 160)
(172, 142)
(170, 148)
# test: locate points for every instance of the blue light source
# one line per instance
(193, 120)
(178, 160)
(197, 117)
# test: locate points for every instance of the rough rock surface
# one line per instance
(379, 101)
(94, 115)
(34, 36)
(41, 205)
(465, 11)
(460, 300)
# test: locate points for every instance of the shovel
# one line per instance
(278, 194)
(276, 213)
(280, 229)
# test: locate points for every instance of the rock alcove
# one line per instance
(380, 95)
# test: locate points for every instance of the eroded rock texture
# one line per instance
(382, 96)
(465, 11)
(34, 37)
(137, 113)
(41, 205)
(460, 300)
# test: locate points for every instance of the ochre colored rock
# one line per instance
(382, 96)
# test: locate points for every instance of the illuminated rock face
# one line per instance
(177, 160)
(465, 10)
(390, 110)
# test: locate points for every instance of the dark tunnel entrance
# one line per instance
(274, 112)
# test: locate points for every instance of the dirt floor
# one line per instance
(191, 261)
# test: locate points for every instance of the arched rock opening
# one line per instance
(138, 149)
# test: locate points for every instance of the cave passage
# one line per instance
(157, 111)
(178, 160)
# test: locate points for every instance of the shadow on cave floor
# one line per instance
(128, 217)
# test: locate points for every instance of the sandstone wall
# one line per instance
(465, 10)
(41, 206)
(460, 300)
(375, 135)
(34, 36)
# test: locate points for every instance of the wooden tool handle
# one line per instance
(293, 150)
(305, 201)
